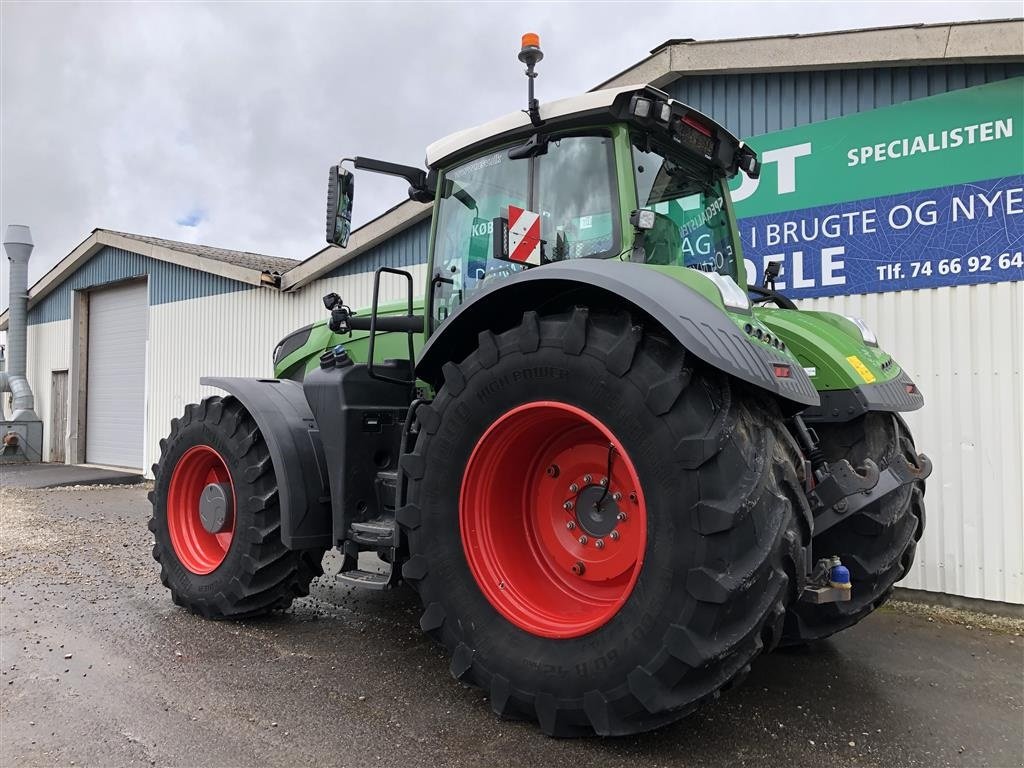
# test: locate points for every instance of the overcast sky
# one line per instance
(216, 123)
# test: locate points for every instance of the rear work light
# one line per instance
(642, 107)
(782, 371)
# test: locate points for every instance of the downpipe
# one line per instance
(23, 402)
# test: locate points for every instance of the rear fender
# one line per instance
(703, 328)
(293, 438)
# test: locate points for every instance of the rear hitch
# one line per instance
(835, 490)
(829, 509)
(829, 583)
(837, 480)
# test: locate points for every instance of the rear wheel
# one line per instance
(879, 542)
(216, 520)
(603, 534)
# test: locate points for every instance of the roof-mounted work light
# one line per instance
(530, 53)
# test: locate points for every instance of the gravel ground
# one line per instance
(100, 668)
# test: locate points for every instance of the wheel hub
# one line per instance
(201, 509)
(596, 510)
(214, 506)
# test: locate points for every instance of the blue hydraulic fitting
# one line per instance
(839, 575)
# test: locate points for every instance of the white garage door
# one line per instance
(116, 394)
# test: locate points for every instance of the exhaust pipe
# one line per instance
(18, 244)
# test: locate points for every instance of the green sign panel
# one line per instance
(922, 194)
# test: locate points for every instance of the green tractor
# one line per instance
(612, 476)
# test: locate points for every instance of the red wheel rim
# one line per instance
(531, 490)
(197, 549)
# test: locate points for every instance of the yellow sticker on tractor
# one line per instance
(859, 367)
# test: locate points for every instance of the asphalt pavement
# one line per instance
(99, 668)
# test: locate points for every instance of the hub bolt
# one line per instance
(632, 497)
(604, 481)
(567, 505)
(553, 470)
(616, 496)
(599, 543)
(578, 568)
(570, 525)
(621, 517)
(587, 479)
(574, 488)
(614, 535)
(583, 540)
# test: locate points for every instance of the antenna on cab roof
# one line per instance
(530, 54)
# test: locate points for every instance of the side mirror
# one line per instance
(341, 188)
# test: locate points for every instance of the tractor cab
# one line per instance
(628, 174)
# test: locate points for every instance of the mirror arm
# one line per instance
(419, 189)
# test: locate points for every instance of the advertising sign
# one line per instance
(924, 194)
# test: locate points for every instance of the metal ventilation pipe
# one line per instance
(18, 244)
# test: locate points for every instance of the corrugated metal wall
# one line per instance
(965, 348)
(751, 104)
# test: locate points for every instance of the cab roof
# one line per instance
(553, 113)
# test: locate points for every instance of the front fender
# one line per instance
(702, 328)
(281, 412)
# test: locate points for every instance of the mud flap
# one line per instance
(281, 412)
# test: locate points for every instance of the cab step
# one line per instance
(374, 534)
(369, 579)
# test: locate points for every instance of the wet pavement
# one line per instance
(36, 475)
(100, 668)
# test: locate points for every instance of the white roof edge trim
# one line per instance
(182, 258)
(449, 145)
(904, 45)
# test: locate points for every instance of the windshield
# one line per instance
(571, 186)
(692, 227)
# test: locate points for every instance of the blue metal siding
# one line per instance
(167, 282)
(408, 247)
(752, 104)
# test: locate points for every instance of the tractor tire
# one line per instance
(240, 569)
(878, 543)
(701, 524)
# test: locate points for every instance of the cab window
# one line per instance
(575, 197)
(692, 225)
(571, 186)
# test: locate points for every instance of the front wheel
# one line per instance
(216, 517)
(603, 533)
